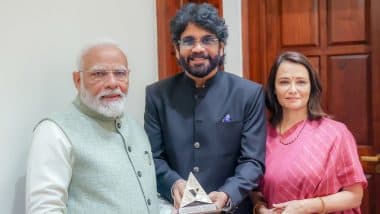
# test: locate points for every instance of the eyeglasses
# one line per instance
(205, 41)
(101, 74)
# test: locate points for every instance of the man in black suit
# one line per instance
(205, 120)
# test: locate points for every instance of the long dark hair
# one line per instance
(314, 108)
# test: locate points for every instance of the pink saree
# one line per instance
(321, 161)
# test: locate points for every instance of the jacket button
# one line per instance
(118, 125)
(196, 169)
(139, 173)
(148, 201)
(197, 145)
(129, 149)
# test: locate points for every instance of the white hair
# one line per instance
(93, 44)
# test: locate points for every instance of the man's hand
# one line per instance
(177, 192)
(219, 199)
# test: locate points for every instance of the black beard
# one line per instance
(201, 70)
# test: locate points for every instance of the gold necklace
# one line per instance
(295, 138)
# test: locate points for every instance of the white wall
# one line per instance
(232, 15)
(39, 43)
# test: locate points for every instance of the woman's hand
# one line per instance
(264, 210)
(291, 207)
(350, 197)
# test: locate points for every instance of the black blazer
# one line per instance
(217, 132)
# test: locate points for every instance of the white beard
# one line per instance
(109, 109)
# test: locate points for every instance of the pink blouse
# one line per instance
(320, 160)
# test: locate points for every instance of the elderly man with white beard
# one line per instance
(93, 157)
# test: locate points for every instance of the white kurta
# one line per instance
(51, 159)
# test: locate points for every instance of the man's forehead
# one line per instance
(105, 56)
(193, 29)
(108, 66)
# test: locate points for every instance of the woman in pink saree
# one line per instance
(312, 165)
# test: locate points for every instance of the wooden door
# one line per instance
(342, 40)
(166, 9)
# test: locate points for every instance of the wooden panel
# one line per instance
(332, 50)
(299, 22)
(254, 40)
(315, 60)
(167, 65)
(346, 21)
(375, 75)
(370, 203)
(273, 42)
(348, 93)
(366, 205)
(376, 192)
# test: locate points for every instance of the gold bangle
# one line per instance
(323, 210)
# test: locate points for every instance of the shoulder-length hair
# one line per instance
(314, 108)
